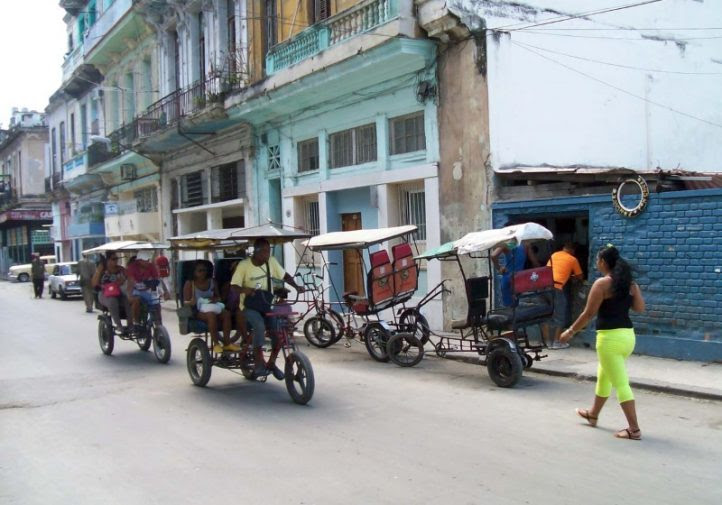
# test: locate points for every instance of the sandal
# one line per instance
(584, 414)
(628, 434)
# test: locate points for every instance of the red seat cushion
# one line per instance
(406, 275)
(379, 258)
(533, 280)
(381, 285)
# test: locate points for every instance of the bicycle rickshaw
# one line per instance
(150, 329)
(201, 358)
(500, 335)
(389, 284)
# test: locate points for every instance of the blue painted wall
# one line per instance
(676, 247)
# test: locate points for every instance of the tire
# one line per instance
(161, 344)
(319, 332)
(504, 367)
(63, 296)
(105, 336)
(52, 293)
(23, 278)
(376, 338)
(144, 341)
(198, 362)
(413, 320)
(249, 374)
(300, 382)
(405, 349)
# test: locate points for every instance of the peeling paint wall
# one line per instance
(630, 88)
(464, 149)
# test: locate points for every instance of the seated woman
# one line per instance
(108, 280)
(201, 293)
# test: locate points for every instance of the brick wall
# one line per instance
(676, 247)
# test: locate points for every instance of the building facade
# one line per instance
(24, 210)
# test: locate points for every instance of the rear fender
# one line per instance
(496, 343)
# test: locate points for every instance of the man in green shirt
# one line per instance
(37, 272)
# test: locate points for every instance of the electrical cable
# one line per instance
(621, 90)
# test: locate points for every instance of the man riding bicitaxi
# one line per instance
(253, 280)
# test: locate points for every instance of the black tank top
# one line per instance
(614, 313)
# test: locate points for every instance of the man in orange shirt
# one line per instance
(564, 266)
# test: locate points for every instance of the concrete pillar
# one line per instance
(214, 219)
(382, 141)
(433, 311)
(324, 159)
(382, 194)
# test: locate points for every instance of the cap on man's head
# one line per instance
(144, 255)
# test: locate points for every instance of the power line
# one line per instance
(628, 28)
(642, 37)
(559, 19)
(621, 90)
(616, 64)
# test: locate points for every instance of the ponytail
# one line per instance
(621, 271)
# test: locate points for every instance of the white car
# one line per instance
(65, 281)
(21, 273)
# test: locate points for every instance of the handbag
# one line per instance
(261, 299)
(111, 290)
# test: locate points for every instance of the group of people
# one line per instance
(610, 300)
(250, 289)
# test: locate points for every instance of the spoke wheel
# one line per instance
(319, 332)
(405, 349)
(105, 336)
(528, 361)
(376, 339)
(412, 320)
(144, 341)
(339, 322)
(198, 360)
(299, 379)
(504, 366)
(161, 343)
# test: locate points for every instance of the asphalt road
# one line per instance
(78, 427)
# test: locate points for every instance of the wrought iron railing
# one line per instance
(361, 18)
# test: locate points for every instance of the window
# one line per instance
(225, 182)
(231, 27)
(308, 155)
(407, 133)
(146, 200)
(312, 218)
(192, 193)
(72, 134)
(54, 151)
(271, 32)
(412, 200)
(84, 125)
(354, 146)
(274, 157)
(201, 46)
(318, 10)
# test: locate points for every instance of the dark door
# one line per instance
(353, 277)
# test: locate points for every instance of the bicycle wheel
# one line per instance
(300, 382)
(319, 332)
(412, 320)
(405, 349)
(376, 338)
(161, 344)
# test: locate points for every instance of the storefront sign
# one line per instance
(26, 215)
(631, 196)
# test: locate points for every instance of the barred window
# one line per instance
(225, 182)
(312, 218)
(412, 200)
(354, 146)
(274, 157)
(308, 155)
(192, 190)
(146, 200)
(407, 133)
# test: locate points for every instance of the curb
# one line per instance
(646, 386)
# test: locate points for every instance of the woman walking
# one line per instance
(610, 299)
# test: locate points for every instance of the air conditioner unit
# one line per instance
(97, 94)
(128, 172)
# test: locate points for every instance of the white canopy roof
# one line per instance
(127, 245)
(483, 240)
(273, 233)
(357, 239)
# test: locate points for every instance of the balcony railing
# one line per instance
(361, 18)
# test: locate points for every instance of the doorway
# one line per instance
(352, 267)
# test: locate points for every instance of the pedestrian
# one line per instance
(86, 270)
(610, 299)
(37, 272)
(565, 266)
(515, 259)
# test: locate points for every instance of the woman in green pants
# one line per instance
(610, 299)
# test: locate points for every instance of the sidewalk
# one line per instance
(683, 378)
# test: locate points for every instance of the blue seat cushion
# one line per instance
(197, 326)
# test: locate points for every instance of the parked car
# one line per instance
(21, 273)
(65, 281)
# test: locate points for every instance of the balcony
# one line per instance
(72, 61)
(75, 166)
(109, 30)
(124, 219)
(87, 222)
(357, 20)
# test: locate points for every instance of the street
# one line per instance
(79, 427)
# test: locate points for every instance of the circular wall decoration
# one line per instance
(624, 189)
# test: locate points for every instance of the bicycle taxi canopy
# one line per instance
(126, 246)
(357, 239)
(275, 234)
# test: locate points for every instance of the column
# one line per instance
(382, 141)
(214, 219)
(434, 310)
(323, 155)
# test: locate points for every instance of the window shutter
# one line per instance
(324, 9)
